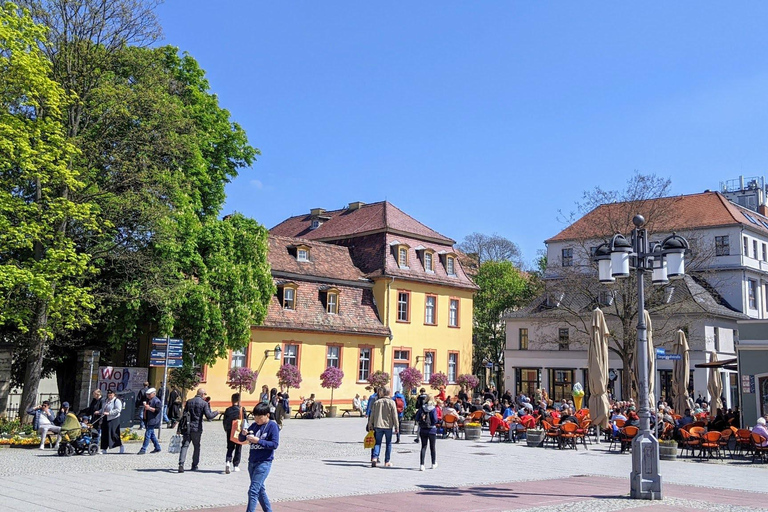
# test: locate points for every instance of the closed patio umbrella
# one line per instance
(681, 374)
(598, 370)
(715, 387)
(651, 364)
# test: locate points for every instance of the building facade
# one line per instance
(727, 282)
(364, 288)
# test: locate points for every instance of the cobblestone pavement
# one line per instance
(317, 459)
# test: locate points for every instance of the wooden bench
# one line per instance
(348, 412)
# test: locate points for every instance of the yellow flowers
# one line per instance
(20, 441)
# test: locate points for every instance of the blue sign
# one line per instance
(157, 363)
(661, 351)
(670, 357)
(175, 363)
(157, 354)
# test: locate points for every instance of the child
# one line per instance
(264, 437)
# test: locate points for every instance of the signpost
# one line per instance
(166, 353)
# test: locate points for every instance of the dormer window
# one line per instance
(429, 264)
(402, 256)
(332, 303)
(302, 255)
(315, 224)
(286, 294)
(450, 265)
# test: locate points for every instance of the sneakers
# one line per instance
(181, 468)
(103, 452)
(122, 449)
(141, 452)
(237, 468)
(156, 450)
(194, 468)
(373, 463)
(422, 468)
(227, 468)
(434, 465)
(387, 464)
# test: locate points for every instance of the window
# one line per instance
(567, 257)
(315, 224)
(754, 248)
(402, 256)
(450, 265)
(402, 355)
(302, 254)
(238, 358)
(523, 331)
(430, 303)
(563, 338)
(333, 356)
(722, 246)
(291, 355)
(332, 303)
(428, 262)
(765, 252)
(717, 341)
(752, 285)
(453, 365)
(453, 313)
(561, 384)
(429, 365)
(364, 364)
(528, 381)
(746, 247)
(289, 298)
(403, 306)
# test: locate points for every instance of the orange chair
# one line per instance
(551, 434)
(743, 441)
(690, 442)
(667, 432)
(497, 426)
(477, 416)
(698, 431)
(758, 449)
(450, 425)
(626, 435)
(556, 421)
(568, 434)
(710, 443)
(725, 440)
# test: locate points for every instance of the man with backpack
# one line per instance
(233, 413)
(400, 406)
(191, 427)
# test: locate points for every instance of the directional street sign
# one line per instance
(670, 357)
(661, 351)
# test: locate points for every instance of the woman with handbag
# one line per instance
(234, 417)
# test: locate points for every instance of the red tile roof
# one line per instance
(369, 218)
(666, 214)
(326, 260)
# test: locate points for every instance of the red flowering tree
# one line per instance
(377, 379)
(411, 378)
(242, 378)
(438, 380)
(467, 380)
(331, 378)
(289, 376)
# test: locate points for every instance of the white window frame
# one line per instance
(364, 364)
(302, 254)
(291, 354)
(406, 304)
(332, 301)
(238, 358)
(333, 355)
(752, 293)
(430, 305)
(292, 292)
(429, 365)
(453, 366)
(402, 257)
(450, 266)
(429, 265)
(453, 313)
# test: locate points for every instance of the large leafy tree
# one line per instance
(503, 287)
(42, 271)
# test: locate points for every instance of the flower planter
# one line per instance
(534, 437)
(332, 411)
(668, 451)
(407, 426)
(472, 433)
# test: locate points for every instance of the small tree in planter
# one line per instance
(185, 378)
(289, 376)
(411, 378)
(468, 381)
(377, 379)
(242, 378)
(438, 380)
(331, 378)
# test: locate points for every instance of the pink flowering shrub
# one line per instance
(437, 380)
(289, 376)
(331, 378)
(242, 378)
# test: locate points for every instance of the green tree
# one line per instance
(503, 287)
(41, 269)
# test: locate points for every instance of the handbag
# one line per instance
(174, 446)
(237, 426)
(369, 441)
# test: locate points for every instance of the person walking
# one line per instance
(43, 422)
(110, 423)
(232, 413)
(198, 409)
(382, 420)
(141, 397)
(426, 417)
(419, 402)
(283, 407)
(174, 406)
(400, 404)
(273, 404)
(152, 413)
(263, 437)
(94, 408)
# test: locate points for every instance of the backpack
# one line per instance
(184, 422)
(400, 404)
(425, 419)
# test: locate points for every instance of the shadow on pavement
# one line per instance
(492, 492)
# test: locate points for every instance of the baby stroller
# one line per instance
(78, 439)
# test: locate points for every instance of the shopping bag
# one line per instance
(237, 426)
(175, 445)
(369, 440)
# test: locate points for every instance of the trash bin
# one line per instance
(128, 398)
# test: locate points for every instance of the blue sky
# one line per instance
(480, 116)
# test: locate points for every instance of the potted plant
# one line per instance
(410, 378)
(288, 376)
(376, 380)
(468, 381)
(438, 380)
(239, 378)
(667, 449)
(472, 431)
(331, 378)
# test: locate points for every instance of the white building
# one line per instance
(727, 282)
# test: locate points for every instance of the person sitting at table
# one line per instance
(718, 423)
(632, 418)
(449, 408)
(687, 419)
(760, 428)
(507, 410)
(566, 416)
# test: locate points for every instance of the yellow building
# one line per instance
(364, 288)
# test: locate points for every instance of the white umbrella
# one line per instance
(598, 370)
(715, 387)
(681, 374)
(651, 364)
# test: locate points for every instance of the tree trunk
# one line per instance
(331, 398)
(34, 368)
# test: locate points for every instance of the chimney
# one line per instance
(762, 210)
(316, 212)
(355, 206)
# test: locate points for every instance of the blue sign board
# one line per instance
(670, 357)
(661, 351)
(168, 351)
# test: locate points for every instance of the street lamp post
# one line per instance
(665, 260)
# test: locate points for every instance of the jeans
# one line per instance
(165, 414)
(379, 434)
(259, 472)
(427, 437)
(149, 435)
(194, 438)
(236, 448)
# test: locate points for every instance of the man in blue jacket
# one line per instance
(152, 415)
(264, 438)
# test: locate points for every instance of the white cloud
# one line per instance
(257, 183)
